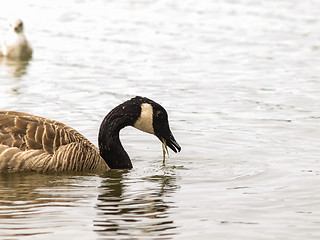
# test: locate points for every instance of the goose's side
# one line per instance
(31, 143)
(15, 44)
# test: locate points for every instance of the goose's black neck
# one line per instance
(111, 149)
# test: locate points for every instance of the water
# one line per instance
(240, 81)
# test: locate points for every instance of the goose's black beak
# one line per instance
(168, 139)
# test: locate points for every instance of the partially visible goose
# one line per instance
(15, 44)
(31, 143)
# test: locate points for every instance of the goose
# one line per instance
(32, 143)
(15, 44)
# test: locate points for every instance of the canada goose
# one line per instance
(15, 44)
(31, 143)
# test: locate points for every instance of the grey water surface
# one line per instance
(240, 80)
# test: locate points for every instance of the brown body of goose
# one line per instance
(31, 143)
(34, 143)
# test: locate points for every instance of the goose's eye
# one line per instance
(160, 114)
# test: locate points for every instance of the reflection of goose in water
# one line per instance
(41, 204)
(13, 67)
(15, 44)
(18, 187)
(135, 208)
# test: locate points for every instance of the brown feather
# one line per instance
(31, 143)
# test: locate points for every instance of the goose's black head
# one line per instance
(141, 113)
(153, 119)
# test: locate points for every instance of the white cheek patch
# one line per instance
(145, 121)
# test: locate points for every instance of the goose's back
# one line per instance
(28, 142)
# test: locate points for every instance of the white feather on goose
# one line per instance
(15, 45)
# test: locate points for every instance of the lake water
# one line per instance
(240, 80)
